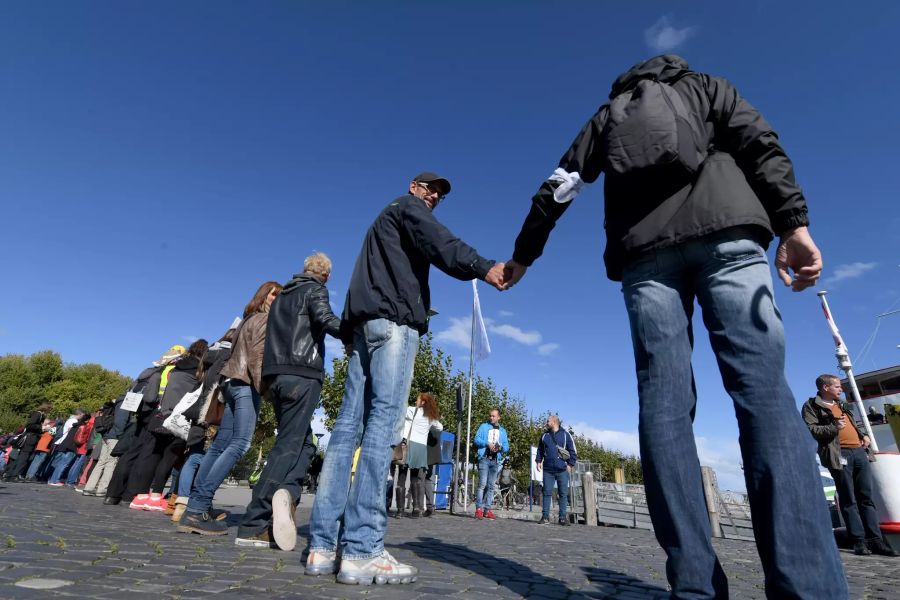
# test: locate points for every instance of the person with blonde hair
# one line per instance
(293, 367)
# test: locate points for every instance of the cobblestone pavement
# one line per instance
(95, 551)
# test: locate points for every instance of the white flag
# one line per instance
(480, 344)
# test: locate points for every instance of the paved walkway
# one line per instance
(94, 551)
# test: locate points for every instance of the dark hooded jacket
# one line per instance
(299, 319)
(182, 380)
(745, 180)
(390, 279)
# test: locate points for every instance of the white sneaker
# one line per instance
(381, 569)
(321, 562)
(284, 530)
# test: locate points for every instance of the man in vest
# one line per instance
(690, 218)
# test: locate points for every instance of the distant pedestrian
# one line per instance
(844, 451)
(33, 430)
(492, 441)
(556, 455)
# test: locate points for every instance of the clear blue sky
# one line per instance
(159, 161)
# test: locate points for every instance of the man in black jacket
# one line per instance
(675, 234)
(293, 364)
(385, 312)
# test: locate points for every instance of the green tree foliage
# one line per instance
(27, 381)
(434, 373)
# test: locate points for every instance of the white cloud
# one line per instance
(848, 271)
(662, 37)
(723, 455)
(334, 348)
(190, 339)
(506, 313)
(459, 333)
(529, 338)
(547, 349)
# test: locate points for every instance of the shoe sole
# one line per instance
(317, 570)
(245, 543)
(376, 579)
(189, 529)
(284, 530)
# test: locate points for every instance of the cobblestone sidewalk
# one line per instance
(95, 551)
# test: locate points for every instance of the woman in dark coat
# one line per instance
(33, 430)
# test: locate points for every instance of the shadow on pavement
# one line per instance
(521, 579)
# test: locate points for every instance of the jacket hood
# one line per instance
(663, 68)
(187, 363)
(299, 279)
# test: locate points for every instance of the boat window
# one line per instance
(866, 390)
(891, 386)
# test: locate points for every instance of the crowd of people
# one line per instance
(696, 186)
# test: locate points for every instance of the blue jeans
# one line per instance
(59, 463)
(36, 462)
(375, 399)
(561, 480)
(728, 274)
(488, 470)
(75, 470)
(231, 443)
(188, 473)
(854, 490)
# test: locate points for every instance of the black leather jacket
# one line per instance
(299, 318)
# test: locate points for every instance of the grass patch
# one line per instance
(279, 565)
(61, 543)
(10, 541)
(200, 551)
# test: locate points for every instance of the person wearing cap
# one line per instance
(385, 312)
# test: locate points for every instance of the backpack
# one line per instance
(107, 418)
(649, 132)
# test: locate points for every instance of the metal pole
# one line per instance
(469, 425)
(843, 356)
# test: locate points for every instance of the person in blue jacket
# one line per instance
(491, 441)
(556, 455)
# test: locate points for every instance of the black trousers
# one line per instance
(124, 467)
(294, 398)
(172, 456)
(145, 466)
(24, 457)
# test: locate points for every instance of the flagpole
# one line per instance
(843, 356)
(469, 420)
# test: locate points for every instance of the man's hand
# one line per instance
(513, 273)
(348, 350)
(841, 423)
(569, 468)
(495, 276)
(797, 252)
(539, 466)
(866, 441)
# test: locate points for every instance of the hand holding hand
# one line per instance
(798, 252)
(495, 276)
(513, 273)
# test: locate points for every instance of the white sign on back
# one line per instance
(132, 401)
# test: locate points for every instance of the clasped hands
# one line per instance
(505, 275)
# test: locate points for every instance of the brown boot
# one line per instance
(170, 505)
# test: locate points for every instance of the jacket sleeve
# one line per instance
(540, 450)
(151, 390)
(821, 433)
(504, 440)
(481, 437)
(443, 249)
(33, 424)
(570, 446)
(582, 163)
(742, 131)
(321, 314)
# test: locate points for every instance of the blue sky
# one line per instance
(159, 161)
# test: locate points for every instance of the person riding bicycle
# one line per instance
(507, 481)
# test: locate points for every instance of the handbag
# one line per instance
(401, 450)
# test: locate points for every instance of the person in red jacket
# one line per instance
(82, 445)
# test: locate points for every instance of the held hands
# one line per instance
(505, 275)
(797, 252)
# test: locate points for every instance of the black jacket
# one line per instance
(299, 318)
(746, 179)
(147, 383)
(182, 379)
(390, 279)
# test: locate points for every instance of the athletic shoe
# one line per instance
(321, 562)
(218, 514)
(565, 523)
(878, 546)
(57, 484)
(284, 530)
(156, 504)
(489, 514)
(479, 514)
(380, 569)
(860, 549)
(140, 502)
(544, 521)
(260, 540)
(201, 523)
(428, 512)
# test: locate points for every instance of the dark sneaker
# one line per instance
(218, 514)
(379, 570)
(202, 523)
(544, 521)
(260, 540)
(416, 514)
(284, 530)
(860, 549)
(429, 512)
(110, 501)
(879, 547)
(564, 522)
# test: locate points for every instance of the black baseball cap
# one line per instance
(429, 177)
